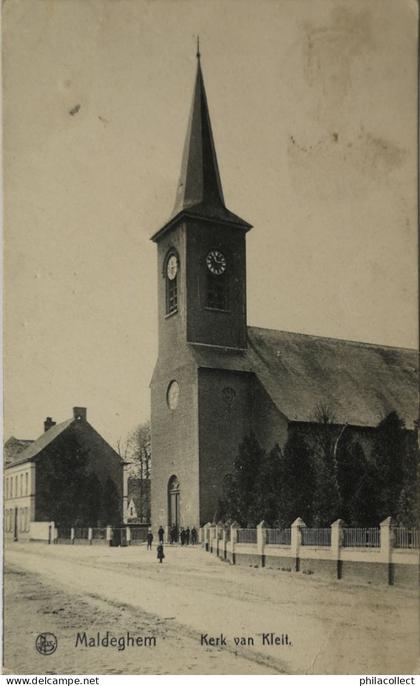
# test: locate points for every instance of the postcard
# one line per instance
(210, 314)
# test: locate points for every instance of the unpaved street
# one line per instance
(332, 627)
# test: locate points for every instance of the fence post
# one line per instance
(128, 535)
(233, 540)
(109, 535)
(90, 535)
(224, 542)
(261, 539)
(217, 538)
(336, 543)
(206, 535)
(386, 547)
(296, 540)
(212, 535)
(72, 535)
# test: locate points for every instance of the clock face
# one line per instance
(216, 262)
(172, 267)
(173, 395)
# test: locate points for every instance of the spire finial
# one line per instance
(198, 48)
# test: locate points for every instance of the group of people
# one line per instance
(185, 536)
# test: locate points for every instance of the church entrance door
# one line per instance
(173, 502)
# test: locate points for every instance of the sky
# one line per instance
(314, 112)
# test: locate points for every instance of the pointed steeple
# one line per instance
(199, 181)
(199, 191)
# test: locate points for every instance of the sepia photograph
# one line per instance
(210, 307)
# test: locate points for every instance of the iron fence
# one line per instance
(228, 533)
(316, 537)
(361, 538)
(278, 536)
(64, 532)
(98, 534)
(138, 534)
(406, 538)
(81, 532)
(247, 536)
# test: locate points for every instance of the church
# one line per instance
(216, 378)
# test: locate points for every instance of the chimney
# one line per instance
(49, 423)
(79, 413)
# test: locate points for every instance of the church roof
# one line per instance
(199, 192)
(360, 382)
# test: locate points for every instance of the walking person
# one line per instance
(160, 553)
(149, 539)
(161, 533)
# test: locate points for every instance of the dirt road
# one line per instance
(190, 601)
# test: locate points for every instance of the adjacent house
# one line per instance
(69, 475)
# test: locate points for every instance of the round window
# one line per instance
(172, 395)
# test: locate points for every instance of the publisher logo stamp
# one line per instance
(46, 643)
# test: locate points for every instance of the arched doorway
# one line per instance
(173, 501)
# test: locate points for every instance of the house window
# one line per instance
(171, 280)
(26, 484)
(217, 292)
(16, 486)
(21, 484)
(6, 487)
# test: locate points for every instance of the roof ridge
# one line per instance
(336, 340)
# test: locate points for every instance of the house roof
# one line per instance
(360, 382)
(13, 447)
(35, 447)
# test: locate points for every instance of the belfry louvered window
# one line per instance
(217, 292)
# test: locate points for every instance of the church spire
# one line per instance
(199, 182)
(199, 191)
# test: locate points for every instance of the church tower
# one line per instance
(201, 310)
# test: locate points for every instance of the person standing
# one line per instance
(187, 535)
(193, 536)
(160, 553)
(161, 533)
(149, 539)
(182, 536)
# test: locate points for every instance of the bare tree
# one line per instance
(137, 451)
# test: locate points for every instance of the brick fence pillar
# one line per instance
(72, 535)
(336, 544)
(206, 536)
(261, 539)
(109, 535)
(233, 539)
(212, 538)
(224, 542)
(387, 540)
(128, 535)
(296, 540)
(90, 535)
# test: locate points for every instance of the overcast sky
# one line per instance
(314, 113)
